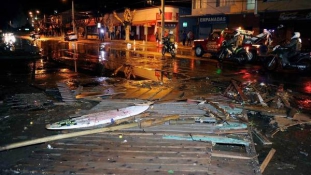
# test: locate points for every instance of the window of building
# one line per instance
(250, 4)
(223, 3)
(202, 4)
(199, 4)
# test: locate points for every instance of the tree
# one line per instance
(108, 22)
(127, 22)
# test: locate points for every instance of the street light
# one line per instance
(37, 12)
(34, 18)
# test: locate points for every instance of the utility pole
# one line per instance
(162, 19)
(256, 8)
(73, 17)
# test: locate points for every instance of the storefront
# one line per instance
(208, 23)
(147, 22)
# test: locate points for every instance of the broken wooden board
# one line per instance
(66, 94)
(212, 139)
(284, 122)
(267, 160)
(264, 140)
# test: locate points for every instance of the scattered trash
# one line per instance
(170, 171)
(304, 153)
(49, 146)
(28, 102)
(269, 100)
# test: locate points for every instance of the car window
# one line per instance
(215, 35)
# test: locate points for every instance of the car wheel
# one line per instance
(198, 51)
(305, 65)
(163, 50)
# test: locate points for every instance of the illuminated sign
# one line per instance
(213, 19)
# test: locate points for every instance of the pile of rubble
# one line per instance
(269, 100)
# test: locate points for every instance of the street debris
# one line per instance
(140, 124)
(67, 95)
(267, 160)
(269, 100)
(28, 102)
(213, 120)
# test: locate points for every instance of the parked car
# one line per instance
(71, 37)
(35, 35)
(211, 44)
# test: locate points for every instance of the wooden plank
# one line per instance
(149, 94)
(173, 95)
(232, 155)
(264, 110)
(137, 93)
(232, 166)
(267, 160)
(160, 95)
(261, 137)
(129, 92)
(228, 89)
(111, 167)
(62, 136)
(144, 123)
(242, 95)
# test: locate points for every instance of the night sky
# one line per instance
(17, 10)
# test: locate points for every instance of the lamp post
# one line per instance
(162, 19)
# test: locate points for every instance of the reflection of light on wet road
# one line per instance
(175, 66)
(307, 87)
(192, 64)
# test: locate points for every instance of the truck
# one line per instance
(213, 43)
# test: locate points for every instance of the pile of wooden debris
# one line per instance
(269, 100)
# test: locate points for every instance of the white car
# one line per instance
(71, 37)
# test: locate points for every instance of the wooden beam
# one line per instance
(267, 160)
(263, 110)
(242, 95)
(264, 140)
(146, 123)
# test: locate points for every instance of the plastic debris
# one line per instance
(49, 146)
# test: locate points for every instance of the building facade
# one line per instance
(253, 15)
